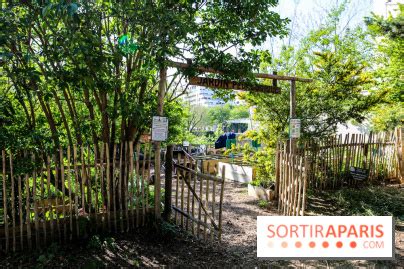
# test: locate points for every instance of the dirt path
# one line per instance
(240, 213)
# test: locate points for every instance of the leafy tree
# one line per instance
(239, 112)
(388, 37)
(339, 65)
(81, 72)
(65, 65)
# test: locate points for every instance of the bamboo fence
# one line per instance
(72, 193)
(293, 175)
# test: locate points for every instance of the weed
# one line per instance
(263, 203)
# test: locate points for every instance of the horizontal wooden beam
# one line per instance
(257, 75)
(204, 176)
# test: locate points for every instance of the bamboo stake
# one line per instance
(131, 184)
(176, 189)
(3, 153)
(35, 200)
(193, 178)
(103, 194)
(120, 186)
(89, 188)
(200, 195)
(182, 194)
(69, 184)
(56, 199)
(148, 176)
(137, 185)
(188, 179)
(114, 187)
(108, 186)
(44, 221)
(62, 171)
(96, 187)
(125, 186)
(76, 189)
(52, 221)
(142, 185)
(27, 210)
(206, 202)
(12, 200)
(20, 213)
(221, 202)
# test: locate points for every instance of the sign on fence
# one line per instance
(359, 174)
(159, 128)
(294, 128)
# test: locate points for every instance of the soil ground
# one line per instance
(174, 248)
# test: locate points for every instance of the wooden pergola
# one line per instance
(161, 92)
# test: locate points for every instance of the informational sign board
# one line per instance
(294, 128)
(185, 143)
(228, 84)
(359, 174)
(159, 128)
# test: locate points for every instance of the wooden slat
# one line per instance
(131, 194)
(76, 189)
(69, 185)
(3, 154)
(12, 200)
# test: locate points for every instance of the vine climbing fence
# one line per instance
(74, 192)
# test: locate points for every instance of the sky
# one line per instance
(306, 15)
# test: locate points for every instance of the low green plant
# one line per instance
(95, 243)
(47, 256)
(263, 203)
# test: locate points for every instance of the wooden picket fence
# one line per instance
(334, 162)
(197, 198)
(76, 191)
(292, 174)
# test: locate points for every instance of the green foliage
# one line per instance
(97, 243)
(369, 201)
(388, 38)
(65, 78)
(263, 204)
(47, 256)
(221, 114)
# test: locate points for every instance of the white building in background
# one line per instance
(200, 96)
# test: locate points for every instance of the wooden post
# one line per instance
(160, 105)
(168, 183)
(292, 114)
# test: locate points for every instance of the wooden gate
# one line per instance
(197, 198)
(292, 177)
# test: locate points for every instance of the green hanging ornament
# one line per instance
(127, 45)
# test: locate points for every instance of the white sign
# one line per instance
(159, 128)
(294, 128)
(185, 143)
(346, 237)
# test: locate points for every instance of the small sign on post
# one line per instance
(159, 128)
(294, 128)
